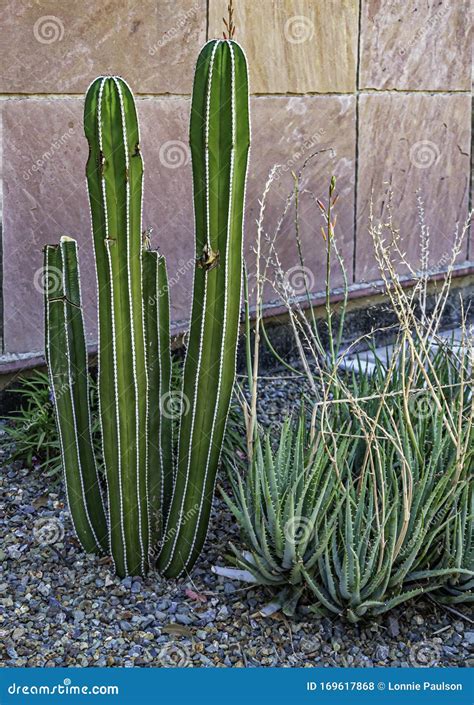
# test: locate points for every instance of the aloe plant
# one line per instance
(357, 528)
(158, 504)
(457, 551)
(281, 504)
(383, 549)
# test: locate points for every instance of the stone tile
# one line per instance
(60, 48)
(413, 45)
(45, 197)
(45, 194)
(295, 46)
(168, 206)
(286, 132)
(411, 143)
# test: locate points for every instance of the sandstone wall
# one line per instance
(383, 86)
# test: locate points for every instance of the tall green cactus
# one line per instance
(114, 175)
(220, 140)
(158, 504)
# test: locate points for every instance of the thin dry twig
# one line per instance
(229, 23)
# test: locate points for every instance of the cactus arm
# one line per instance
(105, 360)
(160, 440)
(66, 356)
(220, 139)
(114, 174)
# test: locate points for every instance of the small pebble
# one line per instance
(382, 652)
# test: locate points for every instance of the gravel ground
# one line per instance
(59, 607)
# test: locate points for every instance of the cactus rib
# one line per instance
(158, 351)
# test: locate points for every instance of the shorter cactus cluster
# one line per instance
(158, 492)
